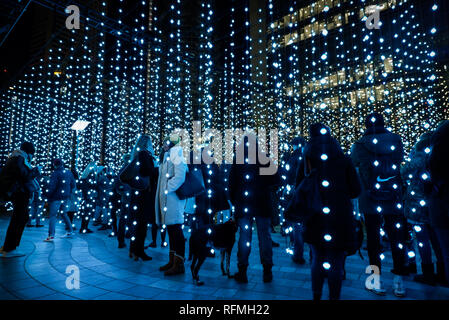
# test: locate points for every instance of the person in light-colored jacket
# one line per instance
(169, 208)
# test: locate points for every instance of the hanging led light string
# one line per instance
(205, 65)
(154, 69)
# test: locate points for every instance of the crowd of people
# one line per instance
(319, 192)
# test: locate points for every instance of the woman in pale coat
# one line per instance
(169, 208)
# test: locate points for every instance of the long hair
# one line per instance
(92, 167)
(143, 143)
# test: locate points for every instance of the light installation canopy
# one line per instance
(283, 70)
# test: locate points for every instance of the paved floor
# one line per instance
(107, 272)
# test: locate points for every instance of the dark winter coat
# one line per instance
(363, 154)
(144, 201)
(214, 199)
(88, 187)
(61, 185)
(17, 175)
(245, 178)
(439, 172)
(439, 155)
(415, 176)
(344, 185)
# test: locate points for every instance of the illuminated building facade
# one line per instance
(327, 65)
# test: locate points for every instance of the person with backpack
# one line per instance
(59, 192)
(378, 156)
(250, 191)
(439, 198)
(416, 204)
(16, 185)
(169, 207)
(325, 209)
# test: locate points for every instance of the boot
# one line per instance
(170, 262)
(177, 268)
(398, 286)
(427, 276)
(441, 275)
(267, 274)
(142, 255)
(241, 275)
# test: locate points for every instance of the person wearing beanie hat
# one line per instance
(378, 156)
(17, 184)
(59, 192)
(330, 233)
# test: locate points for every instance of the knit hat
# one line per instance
(28, 147)
(374, 120)
(319, 129)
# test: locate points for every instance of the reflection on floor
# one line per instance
(107, 272)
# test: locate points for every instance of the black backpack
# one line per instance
(384, 179)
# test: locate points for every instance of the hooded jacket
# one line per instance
(17, 175)
(251, 192)
(376, 141)
(439, 172)
(338, 183)
(61, 186)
